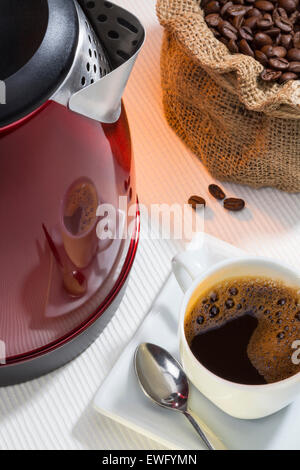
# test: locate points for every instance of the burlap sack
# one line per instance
(243, 129)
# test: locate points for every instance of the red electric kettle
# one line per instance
(66, 242)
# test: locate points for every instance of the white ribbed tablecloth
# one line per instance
(55, 412)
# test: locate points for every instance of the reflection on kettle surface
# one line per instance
(74, 281)
(70, 168)
(79, 221)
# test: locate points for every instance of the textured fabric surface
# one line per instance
(243, 129)
(55, 412)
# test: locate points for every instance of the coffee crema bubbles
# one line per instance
(243, 329)
(268, 31)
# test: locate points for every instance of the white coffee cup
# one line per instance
(238, 400)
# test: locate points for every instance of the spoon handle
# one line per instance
(211, 441)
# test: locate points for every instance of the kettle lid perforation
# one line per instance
(121, 33)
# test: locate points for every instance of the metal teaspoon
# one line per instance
(163, 380)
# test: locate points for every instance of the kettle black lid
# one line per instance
(38, 40)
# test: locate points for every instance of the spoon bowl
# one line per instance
(163, 380)
(161, 377)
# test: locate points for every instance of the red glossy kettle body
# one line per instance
(61, 275)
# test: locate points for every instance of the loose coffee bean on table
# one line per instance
(268, 31)
(234, 204)
(195, 201)
(216, 192)
(230, 203)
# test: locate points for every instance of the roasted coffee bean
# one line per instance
(286, 40)
(279, 51)
(234, 204)
(253, 12)
(282, 13)
(278, 40)
(273, 32)
(228, 33)
(212, 7)
(293, 55)
(261, 57)
(232, 46)
(264, 5)
(224, 41)
(294, 16)
(284, 25)
(265, 22)
(237, 21)
(287, 76)
(237, 10)
(296, 40)
(213, 19)
(195, 201)
(279, 63)
(267, 50)
(225, 8)
(269, 75)
(245, 48)
(246, 33)
(294, 67)
(230, 26)
(268, 16)
(251, 22)
(262, 39)
(216, 192)
(288, 5)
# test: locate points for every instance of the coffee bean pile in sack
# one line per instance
(266, 30)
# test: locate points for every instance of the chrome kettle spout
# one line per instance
(121, 35)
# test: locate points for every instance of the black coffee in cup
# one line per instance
(243, 329)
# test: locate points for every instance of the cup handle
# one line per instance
(186, 267)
